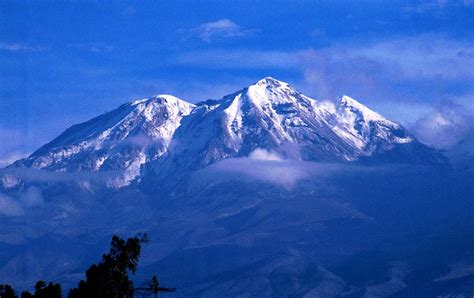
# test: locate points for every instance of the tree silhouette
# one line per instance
(153, 288)
(110, 278)
(47, 291)
(26, 294)
(41, 291)
(154, 285)
(6, 291)
(107, 279)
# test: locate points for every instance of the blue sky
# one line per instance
(63, 62)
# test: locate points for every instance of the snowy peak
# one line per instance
(169, 101)
(270, 82)
(121, 140)
(271, 90)
(271, 115)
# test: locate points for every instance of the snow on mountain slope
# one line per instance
(121, 140)
(273, 116)
(356, 122)
(269, 115)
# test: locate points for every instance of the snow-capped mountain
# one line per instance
(169, 135)
(121, 140)
(275, 224)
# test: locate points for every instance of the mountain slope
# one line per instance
(273, 116)
(163, 135)
(121, 140)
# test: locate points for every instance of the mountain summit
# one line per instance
(168, 134)
(121, 140)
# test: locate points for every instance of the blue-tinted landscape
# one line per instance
(244, 149)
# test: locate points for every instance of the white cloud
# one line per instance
(445, 127)
(262, 154)
(268, 166)
(19, 47)
(284, 173)
(223, 28)
(94, 48)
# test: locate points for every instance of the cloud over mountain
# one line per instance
(223, 28)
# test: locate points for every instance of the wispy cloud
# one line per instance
(93, 48)
(23, 200)
(283, 173)
(269, 167)
(20, 47)
(413, 58)
(223, 28)
(436, 6)
(426, 56)
(376, 69)
(446, 126)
